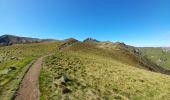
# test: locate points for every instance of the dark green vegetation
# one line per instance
(160, 56)
(102, 71)
(15, 61)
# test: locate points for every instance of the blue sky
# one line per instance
(135, 22)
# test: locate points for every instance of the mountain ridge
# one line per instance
(6, 40)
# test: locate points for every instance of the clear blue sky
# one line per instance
(135, 22)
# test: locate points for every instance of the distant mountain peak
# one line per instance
(90, 40)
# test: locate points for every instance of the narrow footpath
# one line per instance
(29, 89)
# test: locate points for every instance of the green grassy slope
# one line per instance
(120, 52)
(157, 55)
(13, 61)
(86, 72)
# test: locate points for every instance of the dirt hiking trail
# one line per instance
(29, 89)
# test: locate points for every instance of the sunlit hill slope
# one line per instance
(93, 70)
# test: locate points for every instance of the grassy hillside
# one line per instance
(87, 72)
(120, 52)
(14, 62)
(160, 56)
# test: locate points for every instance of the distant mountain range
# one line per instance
(6, 40)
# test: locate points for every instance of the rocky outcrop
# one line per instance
(91, 40)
